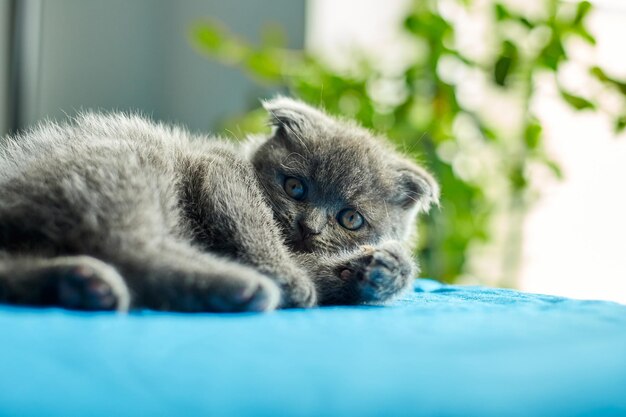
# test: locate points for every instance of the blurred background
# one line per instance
(517, 107)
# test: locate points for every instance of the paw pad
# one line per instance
(81, 288)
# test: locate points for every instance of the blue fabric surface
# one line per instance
(440, 350)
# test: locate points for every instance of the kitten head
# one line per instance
(333, 185)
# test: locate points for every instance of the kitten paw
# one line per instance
(85, 283)
(249, 292)
(379, 273)
(299, 293)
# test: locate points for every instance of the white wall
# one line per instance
(136, 55)
(4, 64)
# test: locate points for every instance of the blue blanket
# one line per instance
(438, 351)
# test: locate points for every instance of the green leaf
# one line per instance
(602, 76)
(411, 24)
(219, 43)
(582, 10)
(577, 102)
(501, 11)
(208, 36)
(599, 74)
(554, 52)
(505, 63)
(427, 25)
(502, 69)
(264, 64)
(526, 22)
(582, 33)
(517, 179)
(555, 168)
(532, 134)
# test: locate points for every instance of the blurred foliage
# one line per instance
(426, 107)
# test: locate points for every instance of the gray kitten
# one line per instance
(117, 212)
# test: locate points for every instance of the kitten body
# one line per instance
(115, 211)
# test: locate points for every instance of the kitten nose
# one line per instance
(305, 230)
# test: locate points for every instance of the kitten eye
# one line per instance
(294, 188)
(350, 219)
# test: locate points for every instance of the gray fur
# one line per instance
(115, 211)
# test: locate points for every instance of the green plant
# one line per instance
(483, 165)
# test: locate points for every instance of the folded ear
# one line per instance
(293, 117)
(416, 187)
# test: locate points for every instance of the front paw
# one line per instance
(378, 273)
(296, 286)
(244, 290)
(298, 292)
